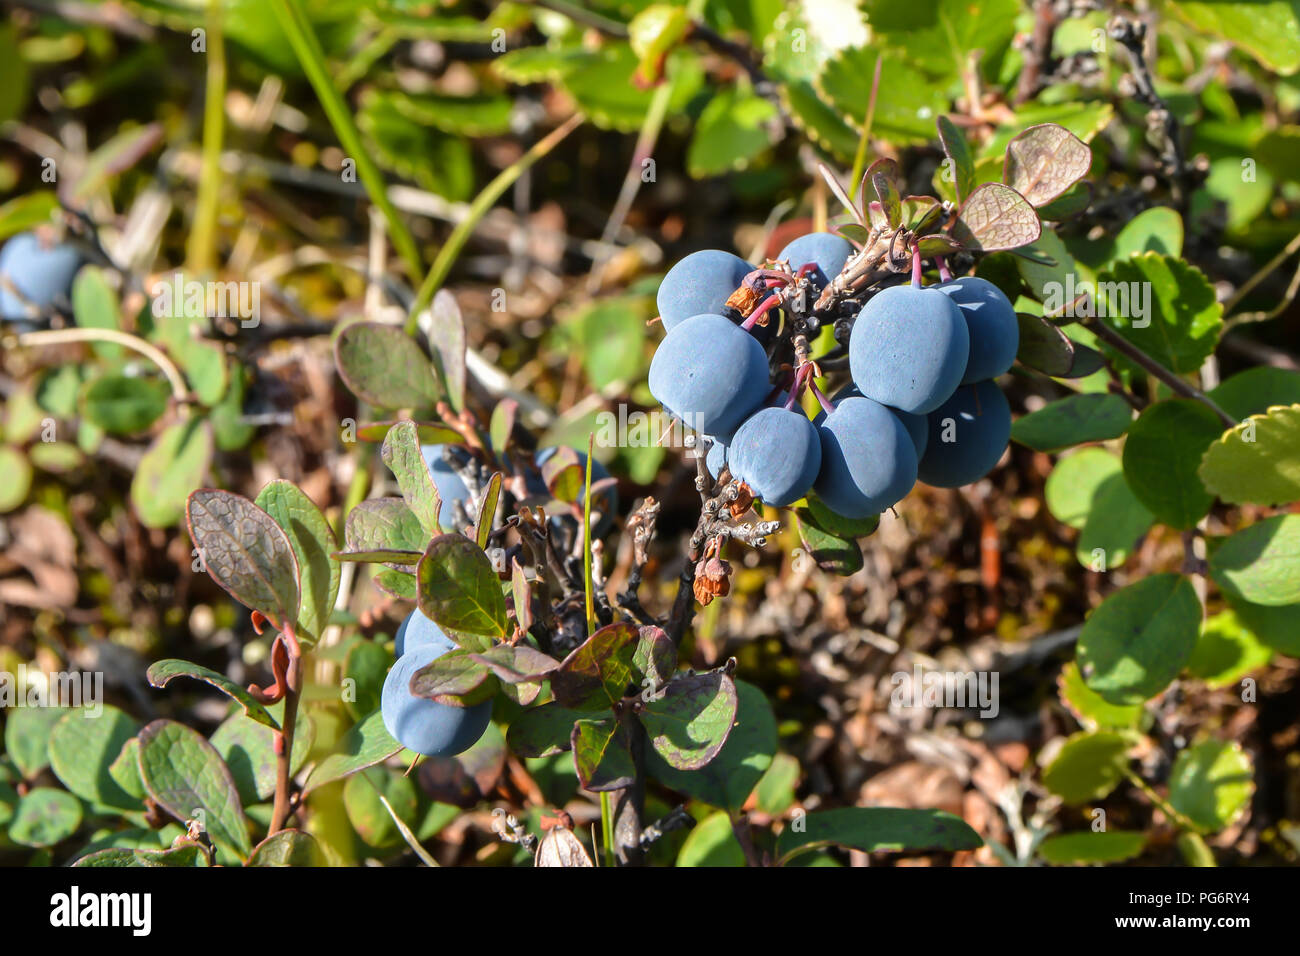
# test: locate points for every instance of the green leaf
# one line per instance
(711, 842)
(125, 404)
(1139, 638)
(312, 540)
(958, 153)
(834, 553)
(447, 337)
(996, 217)
(162, 672)
(472, 114)
(95, 306)
(610, 335)
(1184, 315)
(1261, 563)
(776, 791)
(187, 855)
(876, 829)
(729, 779)
(248, 749)
(1162, 455)
(826, 519)
(1044, 161)
(1159, 229)
(366, 744)
(602, 754)
(907, 105)
(1277, 627)
(1256, 390)
(459, 590)
(246, 553)
(543, 731)
(383, 366)
(736, 126)
(602, 84)
(83, 746)
(367, 813)
(596, 674)
(1043, 346)
(1268, 31)
(1226, 651)
(26, 212)
(1257, 462)
(185, 774)
(516, 663)
(1092, 710)
(288, 848)
(1116, 524)
(401, 453)
(820, 122)
(125, 769)
(384, 524)
(18, 478)
(366, 666)
(1072, 421)
(454, 677)
(172, 467)
(1088, 766)
(688, 725)
(434, 160)
(652, 34)
(27, 737)
(1211, 783)
(1106, 846)
(45, 817)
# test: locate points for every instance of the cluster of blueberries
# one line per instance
(40, 272)
(922, 403)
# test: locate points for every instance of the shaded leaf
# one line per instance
(313, 541)
(602, 754)
(597, 673)
(875, 829)
(367, 743)
(161, 673)
(1260, 564)
(688, 725)
(383, 366)
(459, 590)
(1073, 420)
(246, 553)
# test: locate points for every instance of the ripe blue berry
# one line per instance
(968, 434)
(42, 274)
(918, 426)
(426, 726)
(777, 452)
(991, 322)
(909, 348)
(700, 283)
(710, 373)
(868, 459)
(418, 631)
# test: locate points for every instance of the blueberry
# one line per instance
(700, 283)
(711, 374)
(451, 488)
(418, 631)
(42, 274)
(992, 324)
(868, 461)
(909, 348)
(777, 452)
(425, 726)
(968, 434)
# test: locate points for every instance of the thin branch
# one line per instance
(1177, 384)
(62, 336)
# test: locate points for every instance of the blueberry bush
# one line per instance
(706, 433)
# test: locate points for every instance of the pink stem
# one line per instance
(762, 310)
(801, 378)
(806, 268)
(945, 274)
(916, 266)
